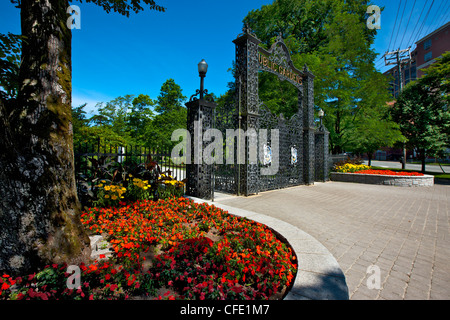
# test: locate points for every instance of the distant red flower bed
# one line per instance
(389, 172)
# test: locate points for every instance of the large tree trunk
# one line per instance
(39, 208)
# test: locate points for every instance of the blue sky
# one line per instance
(113, 55)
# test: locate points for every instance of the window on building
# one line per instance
(427, 44)
(428, 56)
(413, 73)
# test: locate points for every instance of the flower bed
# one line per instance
(172, 249)
(390, 173)
(385, 177)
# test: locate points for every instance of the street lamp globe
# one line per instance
(321, 113)
(202, 67)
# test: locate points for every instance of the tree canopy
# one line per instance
(130, 120)
(331, 37)
(422, 110)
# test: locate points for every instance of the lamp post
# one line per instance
(200, 118)
(321, 114)
(202, 69)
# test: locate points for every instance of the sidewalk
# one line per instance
(405, 232)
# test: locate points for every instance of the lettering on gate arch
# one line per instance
(277, 60)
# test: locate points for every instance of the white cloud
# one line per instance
(80, 97)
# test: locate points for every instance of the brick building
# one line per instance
(432, 46)
(427, 49)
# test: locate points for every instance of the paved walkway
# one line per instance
(403, 232)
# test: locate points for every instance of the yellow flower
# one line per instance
(114, 197)
(106, 196)
(100, 185)
(107, 188)
(103, 181)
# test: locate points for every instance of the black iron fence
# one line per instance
(85, 153)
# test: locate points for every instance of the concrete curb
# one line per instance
(319, 276)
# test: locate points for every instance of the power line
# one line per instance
(442, 20)
(434, 18)
(423, 24)
(401, 19)
(415, 27)
(395, 23)
(409, 19)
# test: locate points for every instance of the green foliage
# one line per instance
(422, 111)
(130, 120)
(373, 129)
(124, 7)
(114, 115)
(171, 115)
(10, 50)
(140, 117)
(106, 177)
(170, 98)
(332, 39)
(280, 96)
(105, 137)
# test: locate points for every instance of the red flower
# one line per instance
(389, 172)
(5, 286)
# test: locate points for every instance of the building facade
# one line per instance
(432, 46)
(427, 50)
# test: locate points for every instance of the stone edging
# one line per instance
(399, 181)
(319, 276)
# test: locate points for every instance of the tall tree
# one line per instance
(39, 208)
(170, 97)
(332, 38)
(114, 114)
(140, 117)
(373, 129)
(422, 110)
(171, 115)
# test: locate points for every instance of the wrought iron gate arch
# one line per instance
(303, 148)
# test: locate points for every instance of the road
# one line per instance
(409, 166)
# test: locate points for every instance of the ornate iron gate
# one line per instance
(301, 148)
(226, 174)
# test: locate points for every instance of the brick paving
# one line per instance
(405, 232)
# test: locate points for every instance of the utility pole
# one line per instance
(399, 58)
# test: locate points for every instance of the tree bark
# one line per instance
(423, 158)
(39, 208)
(369, 155)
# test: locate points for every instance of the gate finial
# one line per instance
(280, 37)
